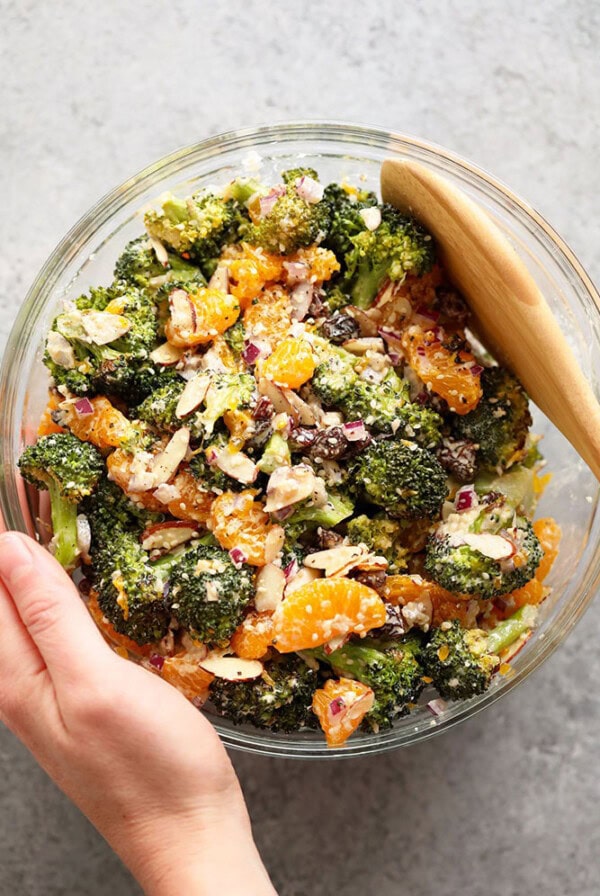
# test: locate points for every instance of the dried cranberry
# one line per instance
(339, 328)
(459, 457)
(452, 305)
(328, 444)
(374, 579)
(328, 539)
(301, 438)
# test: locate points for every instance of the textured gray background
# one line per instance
(507, 804)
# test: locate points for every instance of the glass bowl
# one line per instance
(86, 257)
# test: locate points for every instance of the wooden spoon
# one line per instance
(510, 312)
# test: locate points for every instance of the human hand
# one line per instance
(141, 762)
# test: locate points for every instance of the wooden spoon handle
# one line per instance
(510, 312)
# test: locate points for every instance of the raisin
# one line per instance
(328, 444)
(339, 328)
(459, 457)
(375, 580)
(328, 539)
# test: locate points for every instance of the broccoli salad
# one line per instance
(287, 478)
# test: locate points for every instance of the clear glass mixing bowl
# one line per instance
(86, 257)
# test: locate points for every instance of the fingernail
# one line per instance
(14, 555)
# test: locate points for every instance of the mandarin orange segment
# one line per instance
(187, 676)
(325, 609)
(291, 364)
(252, 639)
(447, 373)
(110, 633)
(402, 589)
(322, 263)
(119, 465)
(534, 592)
(192, 502)
(340, 706)
(240, 425)
(105, 427)
(251, 269)
(238, 521)
(222, 354)
(549, 533)
(268, 319)
(197, 317)
(47, 425)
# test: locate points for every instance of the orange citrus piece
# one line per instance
(105, 427)
(110, 632)
(325, 609)
(252, 639)
(251, 269)
(210, 313)
(238, 521)
(402, 589)
(222, 353)
(268, 319)
(188, 677)
(47, 425)
(240, 425)
(291, 364)
(549, 533)
(445, 372)
(119, 464)
(193, 502)
(341, 705)
(322, 263)
(534, 592)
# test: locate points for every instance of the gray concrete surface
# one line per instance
(507, 804)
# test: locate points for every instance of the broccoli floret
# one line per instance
(108, 507)
(383, 407)
(159, 407)
(345, 220)
(234, 337)
(69, 469)
(397, 247)
(334, 296)
(197, 227)
(208, 474)
(130, 594)
(391, 669)
(383, 536)
(280, 700)
(307, 518)
(227, 392)
(404, 479)
(291, 175)
(461, 661)
(276, 454)
(138, 263)
(458, 552)
(500, 422)
(208, 594)
(290, 224)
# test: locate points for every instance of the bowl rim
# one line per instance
(254, 137)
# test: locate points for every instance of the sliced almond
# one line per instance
(237, 465)
(493, 546)
(304, 576)
(166, 354)
(335, 559)
(220, 279)
(418, 612)
(300, 409)
(368, 321)
(183, 313)
(166, 536)
(231, 668)
(364, 344)
(193, 395)
(270, 585)
(166, 463)
(371, 216)
(290, 485)
(274, 542)
(160, 251)
(103, 327)
(60, 350)
(287, 402)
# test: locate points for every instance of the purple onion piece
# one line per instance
(84, 407)
(157, 661)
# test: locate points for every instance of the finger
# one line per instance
(51, 611)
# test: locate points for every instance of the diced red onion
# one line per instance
(309, 189)
(336, 706)
(355, 431)
(465, 498)
(301, 298)
(212, 456)
(283, 513)
(476, 369)
(422, 397)
(267, 202)
(157, 661)
(421, 351)
(389, 334)
(394, 358)
(428, 313)
(237, 557)
(438, 334)
(84, 407)
(437, 707)
(291, 569)
(296, 271)
(251, 353)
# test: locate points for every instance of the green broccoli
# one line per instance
(404, 479)
(227, 392)
(208, 594)
(158, 408)
(392, 669)
(108, 507)
(345, 220)
(500, 422)
(290, 223)
(69, 469)
(307, 518)
(139, 265)
(197, 228)
(461, 551)
(383, 536)
(280, 700)
(397, 247)
(130, 594)
(208, 474)
(234, 337)
(461, 661)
